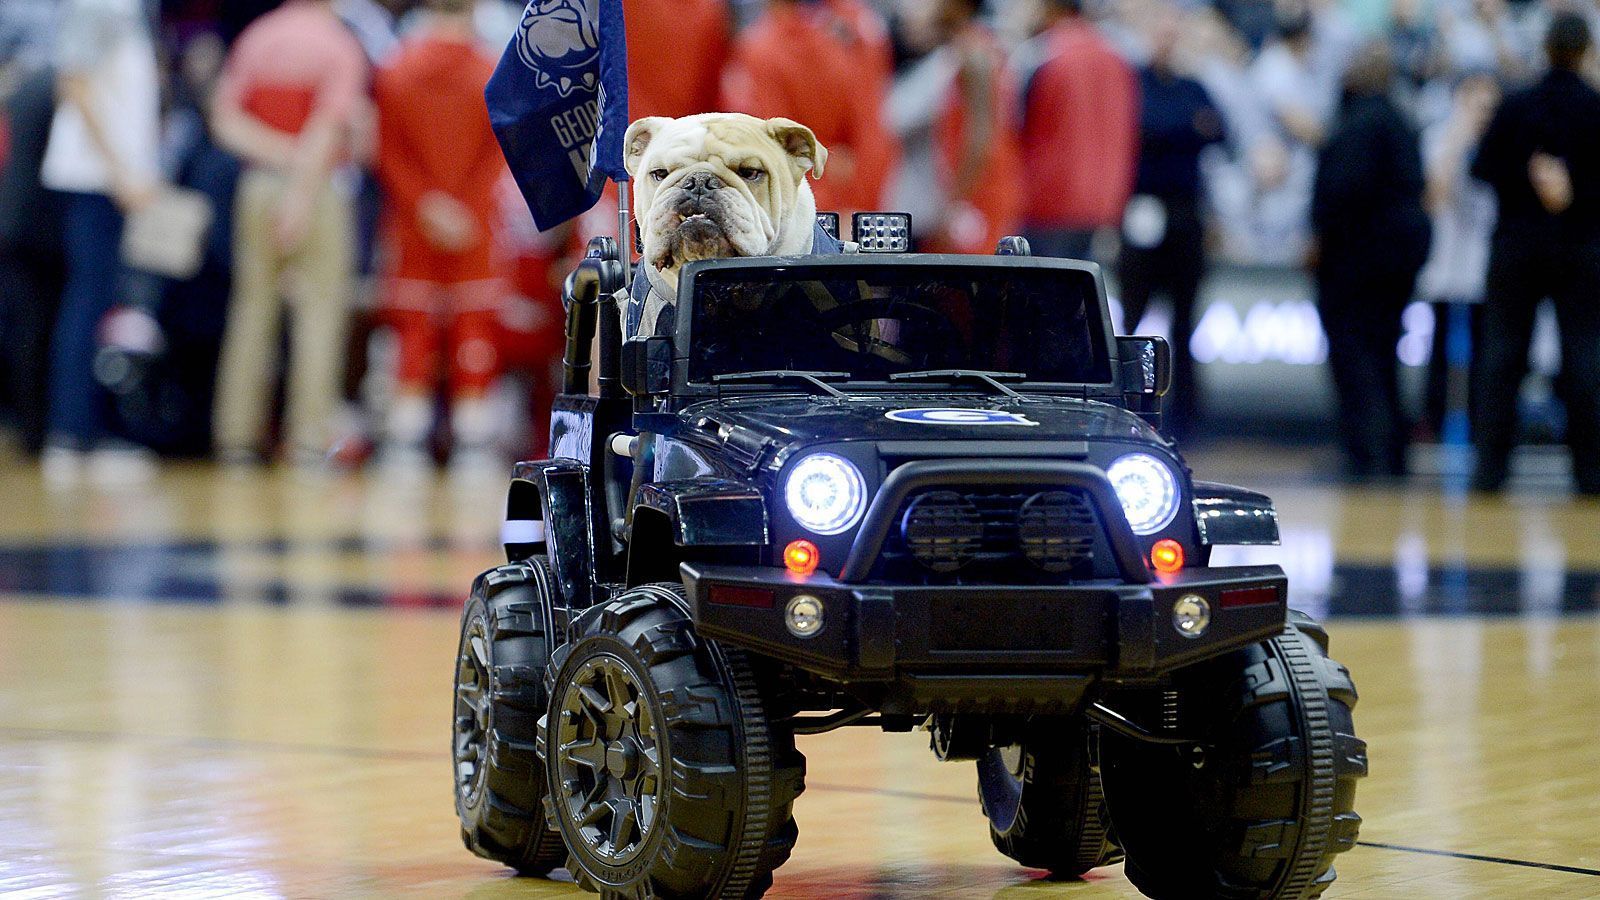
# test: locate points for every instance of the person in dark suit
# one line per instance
(1163, 233)
(1541, 154)
(1373, 236)
(32, 270)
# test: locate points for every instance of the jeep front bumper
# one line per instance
(879, 633)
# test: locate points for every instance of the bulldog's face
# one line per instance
(721, 184)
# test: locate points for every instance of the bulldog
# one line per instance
(717, 185)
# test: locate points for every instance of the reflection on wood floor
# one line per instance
(238, 686)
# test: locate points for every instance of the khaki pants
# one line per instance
(316, 279)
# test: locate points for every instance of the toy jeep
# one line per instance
(899, 491)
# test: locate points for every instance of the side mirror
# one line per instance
(1146, 365)
(647, 365)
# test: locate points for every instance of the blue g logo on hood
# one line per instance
(560, 41)
(958, 416)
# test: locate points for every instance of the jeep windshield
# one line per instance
(875, 317)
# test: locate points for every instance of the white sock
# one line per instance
(410, 417)
(472, 422)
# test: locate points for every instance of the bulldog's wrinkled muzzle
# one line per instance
(696, 221)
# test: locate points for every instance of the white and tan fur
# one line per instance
(762, 206)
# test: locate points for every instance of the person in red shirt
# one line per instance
(979, 166)
(1080, 134)
(825, 63)
(438, 164)
(288, 103)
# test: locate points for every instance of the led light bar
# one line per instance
(881, 232)
(830, 223)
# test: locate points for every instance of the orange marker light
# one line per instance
(1167, 556)
(801, 557)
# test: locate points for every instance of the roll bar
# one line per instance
(589, 296)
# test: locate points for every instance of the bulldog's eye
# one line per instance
(659, 174)
(751, 174)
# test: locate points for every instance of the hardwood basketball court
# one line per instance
(239, 685)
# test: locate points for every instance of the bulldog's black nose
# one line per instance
(700, 184)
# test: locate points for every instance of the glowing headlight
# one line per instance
(1147, 489)
(826, 493)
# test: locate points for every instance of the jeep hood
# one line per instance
(798, 421)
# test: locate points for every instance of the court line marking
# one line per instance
(1477, 857)
(890, 792)
(194, 574)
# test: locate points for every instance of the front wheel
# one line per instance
(1044, 802)
(1260, 808)
(667, 777)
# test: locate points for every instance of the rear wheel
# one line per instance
(668, 777)
(1044, 801)
(499, 696)
(1260, 811)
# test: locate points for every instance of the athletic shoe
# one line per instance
(116, 464)
(61, 466)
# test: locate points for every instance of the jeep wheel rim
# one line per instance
(1011, 757)
(472, 712)
(608, 759)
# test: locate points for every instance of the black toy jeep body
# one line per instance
(900, 491)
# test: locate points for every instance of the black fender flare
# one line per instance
(709, 511)
(673, 520)
(548, 511)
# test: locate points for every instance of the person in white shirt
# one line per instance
(1299, 100)
(1463, 208)
(103, 154)
(1464, 211)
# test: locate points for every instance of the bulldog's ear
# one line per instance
(637, 138)
(799, 142)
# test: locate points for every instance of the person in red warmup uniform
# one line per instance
(825, 63)
(676, 51)
(438, 163)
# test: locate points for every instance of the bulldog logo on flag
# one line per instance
(560, 41)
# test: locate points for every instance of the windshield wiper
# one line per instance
(990, 380)
(774, 376)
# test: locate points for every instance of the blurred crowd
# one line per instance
(262, 230)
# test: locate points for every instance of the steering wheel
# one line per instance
(936, 336)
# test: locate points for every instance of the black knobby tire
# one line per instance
(1044, 801)
(500, 695)
(1265, 809)
(701, 781)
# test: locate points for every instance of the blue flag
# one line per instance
(558, 102)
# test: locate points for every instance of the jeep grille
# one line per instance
(946, 531)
